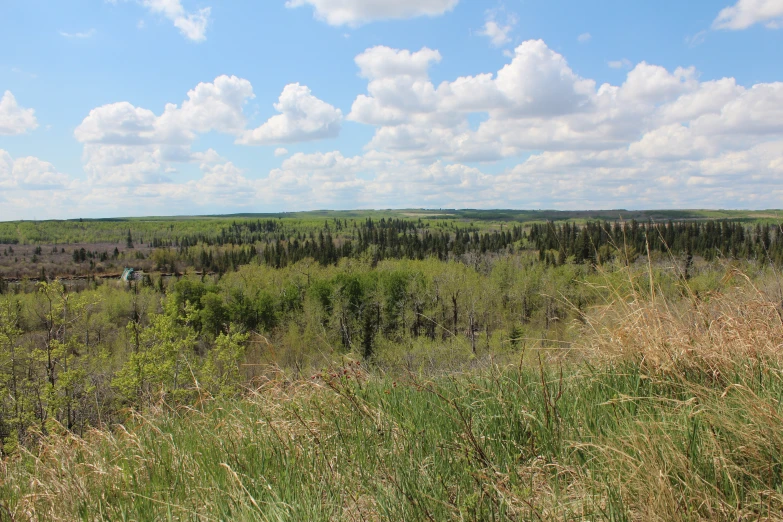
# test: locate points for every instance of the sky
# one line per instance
(178, 107)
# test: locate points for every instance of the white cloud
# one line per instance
(620, 64)
(303, 117)
(13, 118)
(537, 82)
(757, 111)
(568, 143)
(29, 173)
(372, 181)
(670, 142)
(654, 84)
(216, 106)
(210, 106)
(125, 144)
(584, 37)
(358, 12)
(709, 98)
(498, 33)
(536, 102)
(746, 13)
(384, 62)
(80, 35)
(224, 183)
(418, 120)
(655, 133)
(117, 165)
(696, 39)
(118, 123)
(191, 24)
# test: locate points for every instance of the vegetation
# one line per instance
(400, 369)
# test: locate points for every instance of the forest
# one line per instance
(375, 319)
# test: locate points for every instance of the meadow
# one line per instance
(379, 367)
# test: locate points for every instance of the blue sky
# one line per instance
(161, 107)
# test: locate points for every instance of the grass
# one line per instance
(662, 411)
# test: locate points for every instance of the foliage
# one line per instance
(620, 435)
(650, 324)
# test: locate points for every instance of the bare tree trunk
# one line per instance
(456, 312)
(471, 319)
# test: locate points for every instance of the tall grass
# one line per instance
(672, 411)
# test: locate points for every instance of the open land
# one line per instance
(393, 365)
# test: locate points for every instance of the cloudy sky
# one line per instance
(163, 107)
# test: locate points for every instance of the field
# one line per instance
(45, 249)
(401, 365)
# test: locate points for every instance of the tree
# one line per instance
(164, 363)
(220, 374)
(66, 386)
(11, 425)
(214, 314)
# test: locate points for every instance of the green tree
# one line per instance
(213, 314)
(164, 363)
(11, 426)
(221, 374)
(59, 313)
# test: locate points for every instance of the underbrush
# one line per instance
(662, 411)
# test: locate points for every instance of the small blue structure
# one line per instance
(130, 274)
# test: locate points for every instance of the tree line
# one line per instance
(598, 242)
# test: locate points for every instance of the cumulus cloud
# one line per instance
(29, 173)
(757, 111)
(746, 13)
(660, 130)
(384, 62)
(357, 12)
(398, 84)
(584, 37)
(303, 117)
(417, 119)
(654, 84)
(130, 146)
(565, 142)
(672, 142)
(125, 144)
(118, 123)
(13, 118)
(371, 181)
(22, 185)
(537, 82)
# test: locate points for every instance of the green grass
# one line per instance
(615, 443)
